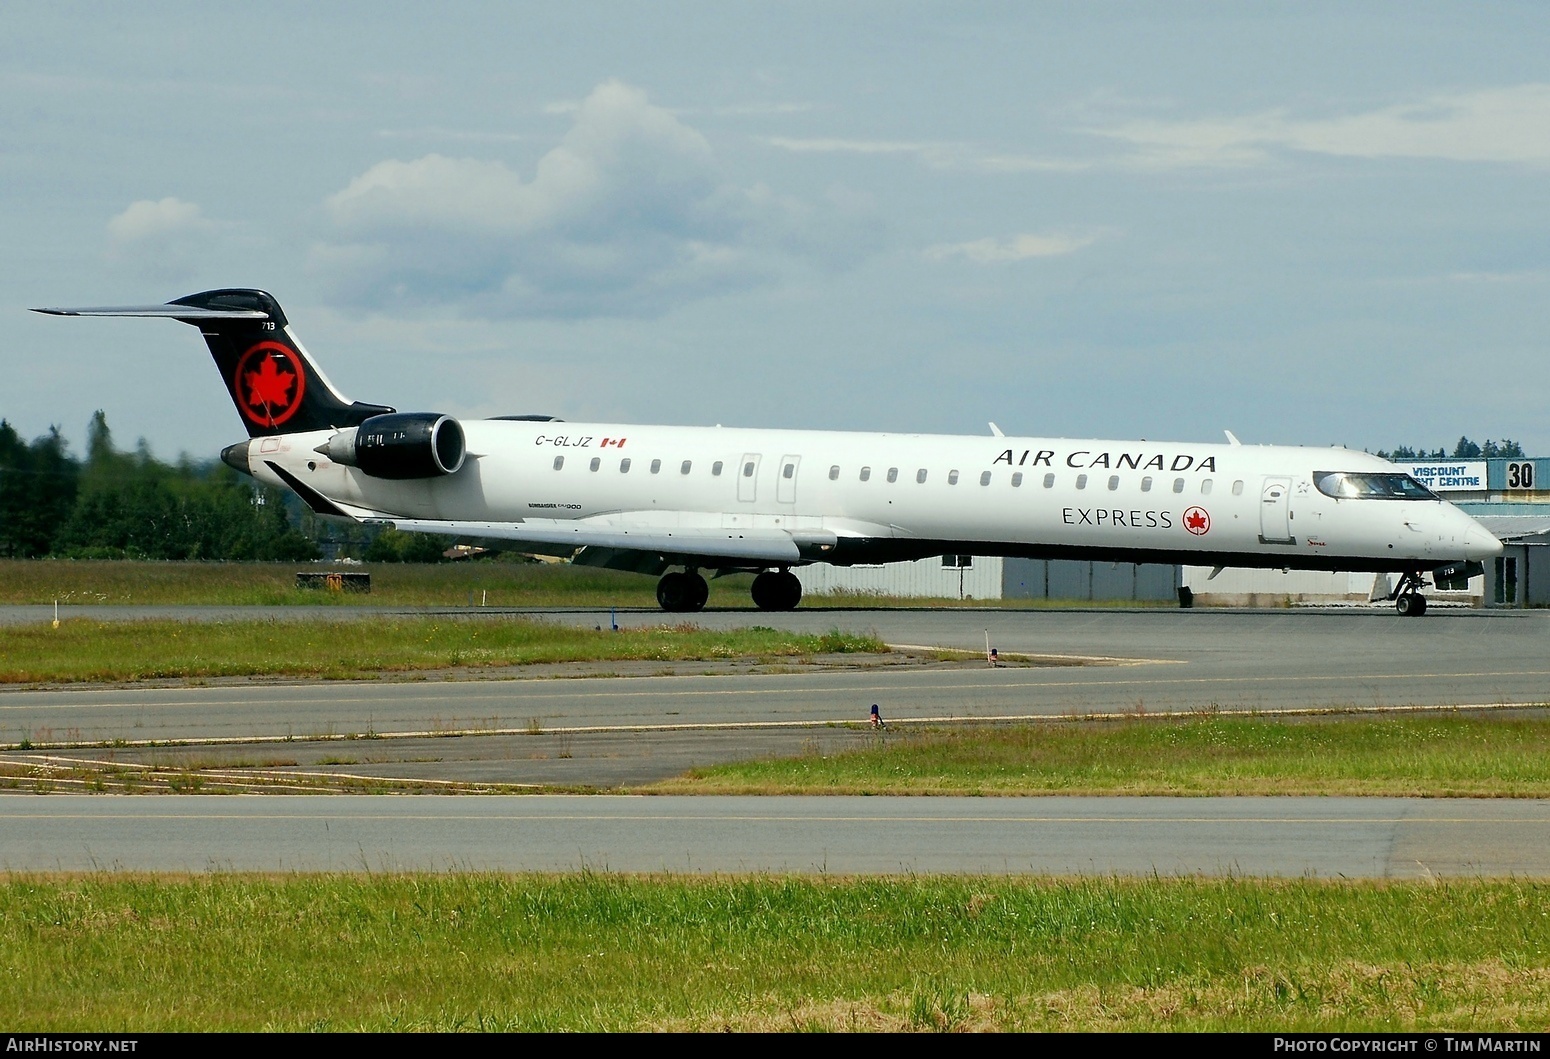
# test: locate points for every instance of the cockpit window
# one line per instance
(1344, 485)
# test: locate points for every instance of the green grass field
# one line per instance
(495, 584)
(139, 650)
(463, 584)
(599, 952)
(1429, 756)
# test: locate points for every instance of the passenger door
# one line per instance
(1275, 505)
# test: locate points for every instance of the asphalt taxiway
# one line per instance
(1312, 837)
(632, 723)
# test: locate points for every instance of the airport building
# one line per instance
(1510, 497)
(992, 577)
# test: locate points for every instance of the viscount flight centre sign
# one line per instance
(1442, 477)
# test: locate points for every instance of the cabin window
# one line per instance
(683, 468)
(866, 474)
(893, 475)
(596, 463)
(834, 473)
(1237, 488)
(559, 461)
(1146, 484)
(788, 470)
(715, 469)
(920, 476)
(1178, 485)
(952, 477)
(624, 465)
(984, 478)
(1081, 481)
(1049, 481)
(656, 466)
(748, 469)
(1205, 487)
(1017, 479)
(1113, 482)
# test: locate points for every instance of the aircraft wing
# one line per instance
(620, 533)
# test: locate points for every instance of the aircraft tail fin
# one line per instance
(275, 384)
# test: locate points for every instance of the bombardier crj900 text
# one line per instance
(676, 501)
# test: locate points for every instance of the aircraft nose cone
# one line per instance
(1480, 544)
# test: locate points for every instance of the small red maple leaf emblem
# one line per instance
(1197, 521)
(268, 384)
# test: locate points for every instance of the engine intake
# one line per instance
(402, 445)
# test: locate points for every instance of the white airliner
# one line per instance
(656, 498)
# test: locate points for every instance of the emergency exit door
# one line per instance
(786, 484)
(748, 477)
(1275, 511)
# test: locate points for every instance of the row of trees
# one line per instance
(1465, 450)
(129, 505)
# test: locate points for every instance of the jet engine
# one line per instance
(400, 445)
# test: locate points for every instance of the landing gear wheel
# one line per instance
(682, 593)
(698, 591)
(1408, 601)
(772, 591)
(672, 591)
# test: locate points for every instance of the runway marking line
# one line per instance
(1103, 660)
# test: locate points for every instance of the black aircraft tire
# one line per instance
(780, 591)
(696, 592)
(765, 592)
(673, 592)
(791, 590)
(1420, 604)
(1410, 605)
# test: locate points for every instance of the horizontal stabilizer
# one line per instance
(186, 313)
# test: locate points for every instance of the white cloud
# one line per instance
(995, 251)
(159, 238)
(1504, 125)
(936, 154)
(628, 215)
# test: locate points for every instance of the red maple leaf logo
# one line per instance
(269, 384)
(1197, 521)
(268, 387)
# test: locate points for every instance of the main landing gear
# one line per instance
(1408, 601)
(686, 592)
(777, 591)
(683, 593)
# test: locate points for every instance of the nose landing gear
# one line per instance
(1407, 597)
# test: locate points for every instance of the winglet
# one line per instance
(1232, 439)
(996, 431)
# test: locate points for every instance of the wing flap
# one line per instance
(773, 545)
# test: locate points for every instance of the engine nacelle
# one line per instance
(401, 445)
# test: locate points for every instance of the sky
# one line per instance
(1307, 223)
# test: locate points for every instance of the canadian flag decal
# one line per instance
(617, 443)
